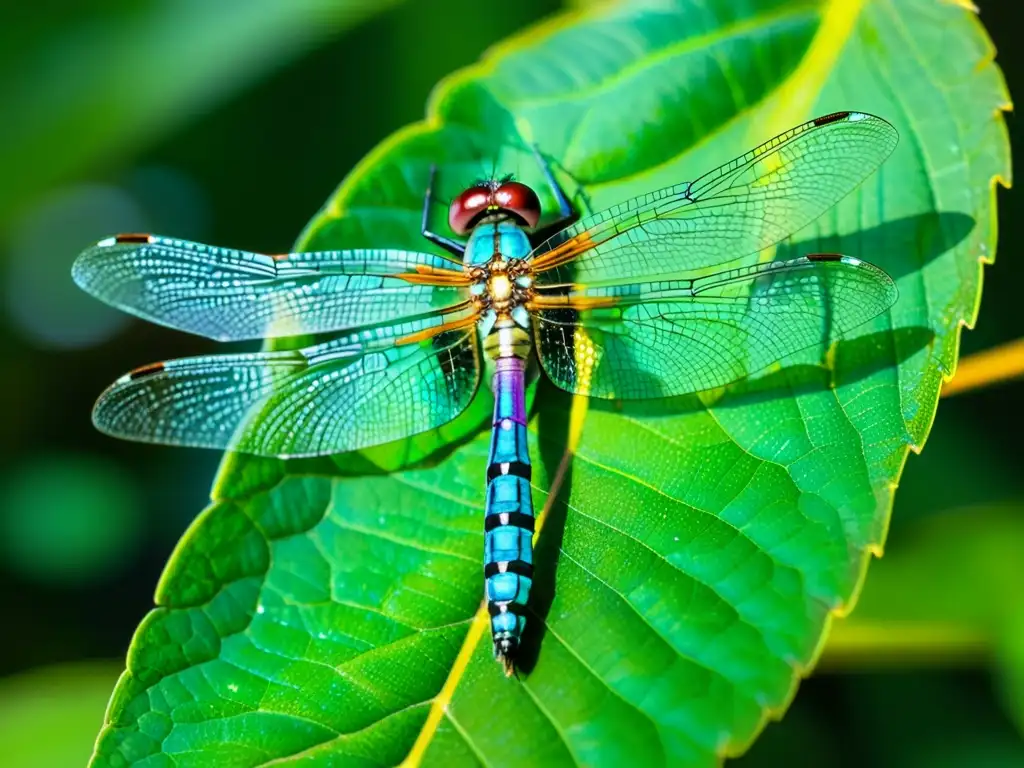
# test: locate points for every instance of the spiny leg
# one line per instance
(567, 213)
(452, 246)
(565, 208)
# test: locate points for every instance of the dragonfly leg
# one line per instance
(567, 213)
(452, 246)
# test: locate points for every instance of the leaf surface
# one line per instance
(693, 551)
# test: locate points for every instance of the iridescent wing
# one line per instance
(342, 395)
(734, 211)
(672, 337)
(229, 295)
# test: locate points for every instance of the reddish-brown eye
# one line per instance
(467, 207)
(520, 200)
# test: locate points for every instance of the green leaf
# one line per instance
(692, 552)
(139, 70)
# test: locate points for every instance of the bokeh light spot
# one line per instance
(41, 298)
(68, 519)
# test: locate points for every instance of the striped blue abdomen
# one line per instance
(508, 521)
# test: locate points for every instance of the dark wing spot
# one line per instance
(146, 370)
(133, 237)
(834, 117)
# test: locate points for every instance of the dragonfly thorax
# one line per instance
(500, 290)
(502, 279)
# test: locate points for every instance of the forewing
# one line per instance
(679, 336)
(228, 295)
(748, 204)
(342, 395)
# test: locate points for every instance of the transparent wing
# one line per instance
(679, 336)
(342, 395)
(229, 295)
(755, 201)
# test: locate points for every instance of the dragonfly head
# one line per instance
(494, 197)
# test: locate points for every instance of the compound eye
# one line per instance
(465, 209)
(520, 200)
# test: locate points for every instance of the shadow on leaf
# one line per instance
(901, 247)
(552, 438)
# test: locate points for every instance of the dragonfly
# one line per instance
(668, 293)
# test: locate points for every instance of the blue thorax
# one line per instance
(486, 239)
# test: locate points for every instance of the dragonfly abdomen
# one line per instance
(508, 520)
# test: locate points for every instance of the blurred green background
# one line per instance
(111, 124)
